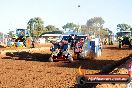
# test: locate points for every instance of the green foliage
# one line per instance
(105, 32)
(38, 32)
(35, 25)
(10, 34)
(96, 22)
(70, 26)
(51, 28)
(57, 28)
(123, 27)
(93, 26)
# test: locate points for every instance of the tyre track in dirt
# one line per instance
(119, 67)
(111, 69)
(42, 74)
(122, 69)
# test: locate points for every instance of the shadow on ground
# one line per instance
(125, 47)
(27, 56)
(2, 46)
(106, 69)
(88, 64)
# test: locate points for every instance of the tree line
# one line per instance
(36, 26)
(93, 26)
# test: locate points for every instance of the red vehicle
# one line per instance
(67, 49)
(60, 52)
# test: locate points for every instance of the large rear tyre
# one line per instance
(28, 43)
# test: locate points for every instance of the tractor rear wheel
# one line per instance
(28, 43)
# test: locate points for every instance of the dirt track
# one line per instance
(37, 72)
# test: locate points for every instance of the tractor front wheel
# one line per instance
(70, 59)
(51, 59)
(120, 44)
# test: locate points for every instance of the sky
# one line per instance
(16, 13)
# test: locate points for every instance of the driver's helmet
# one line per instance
(72, 36)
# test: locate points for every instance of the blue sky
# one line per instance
(16, 13)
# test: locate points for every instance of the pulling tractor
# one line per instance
(22, 38)
(124, 38)
(68, 49)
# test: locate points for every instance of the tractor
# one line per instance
(68, 48)
(124, 38)
(22, 38)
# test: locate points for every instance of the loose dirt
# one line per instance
(32, 69)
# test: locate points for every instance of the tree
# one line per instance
(30, 25)
(93, 26)
(10, 34)
(70, 26)
(35, 25)
(105, 32)
(123, 27)
(51, 28)
(57, 28)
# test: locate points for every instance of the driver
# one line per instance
(72, 40)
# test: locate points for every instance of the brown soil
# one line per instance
(32, 69)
